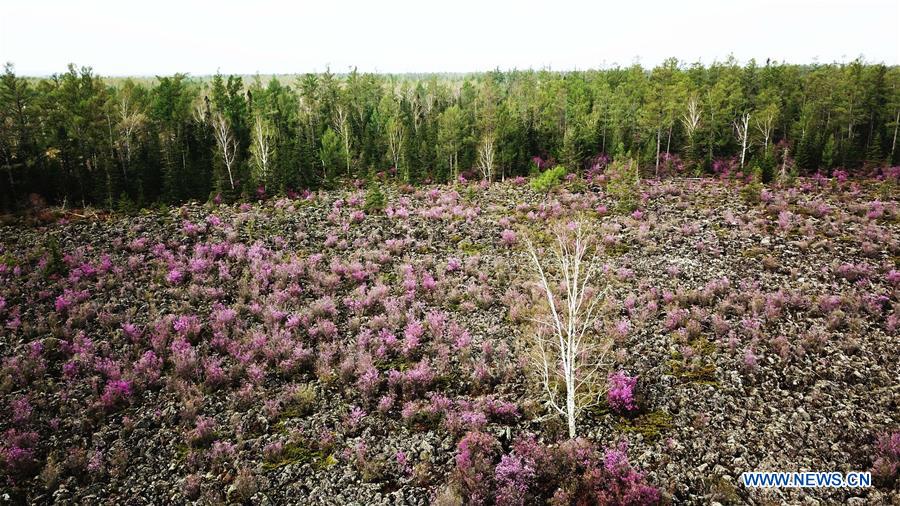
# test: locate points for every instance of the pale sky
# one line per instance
(244, 37)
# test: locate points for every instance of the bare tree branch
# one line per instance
(565, 349)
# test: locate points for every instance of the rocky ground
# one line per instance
(310, 351)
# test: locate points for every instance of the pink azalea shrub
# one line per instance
(572, 472)
(620, 392)
(886, 465)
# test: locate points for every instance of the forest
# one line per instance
(80, 139)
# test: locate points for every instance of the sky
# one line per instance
(160, 37)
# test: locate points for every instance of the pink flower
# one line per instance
(508, 237)
(620, 393)
(174, 277)
(751, 361)
(115, 393)
(356, 415)
(454, 264)
(21, 410)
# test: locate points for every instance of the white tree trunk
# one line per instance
(742, 128)
(784, 164)
(262, 149)
(566, 350)
(570, 404)
(894, 144)
(227, 144)
(395, 142)
(486, 157)
(343, 128)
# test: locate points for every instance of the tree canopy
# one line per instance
(78, 138)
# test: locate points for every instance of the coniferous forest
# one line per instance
(81, 139)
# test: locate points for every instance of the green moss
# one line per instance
(846, 239)
(327, 462)
(374, 471)
(649, 425)
(754, 252)
(705, 373)
(8, 260)
(703, 346)
(281, 426)
(624, 185)
(578, 186)
(396, 363)
(389, 278)
(469, 247)
(599, 410)
(721, 232)
(181, 451)
(302, 402)
(700, 370)
(446, 381)
(295, 453)
(294, 412)
(887, 190)
(470, 193)
(724, 491)
(617, 250)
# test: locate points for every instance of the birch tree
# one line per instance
(741, 129)
(765, 125)
(567, 352)
(690, 119)
(342, 126)
(395, 141)
(131, 123)
(226, 143)
(262, 151)
(415, 107)
(486, 153)
(894, 142)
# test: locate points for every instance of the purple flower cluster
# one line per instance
(886, 466)
(620, 392)
(573, 472)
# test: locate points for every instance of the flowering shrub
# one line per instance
(620, 392)
(184, 356)
(18, 453)
(886, 466)
(115, 393)
(508, 238)
(21, 410)
(453, 265)
(203, 432)
(573, 472)
(476, 453)
(174, 277)
(148, 368)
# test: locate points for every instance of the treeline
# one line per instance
(81, 139)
